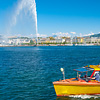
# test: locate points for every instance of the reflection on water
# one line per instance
(80, 97)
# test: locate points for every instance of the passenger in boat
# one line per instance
(97, 76)
(85, 76)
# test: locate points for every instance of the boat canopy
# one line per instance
(95, 67)
(88, 68)
(83, 69)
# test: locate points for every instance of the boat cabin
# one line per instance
(89, 71)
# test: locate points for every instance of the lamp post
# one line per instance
(62, 70)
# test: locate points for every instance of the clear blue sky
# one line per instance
(80, 16)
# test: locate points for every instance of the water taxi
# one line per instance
(81, 85)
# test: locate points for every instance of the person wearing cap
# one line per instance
(97, 77)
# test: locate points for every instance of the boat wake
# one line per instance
(85, 96)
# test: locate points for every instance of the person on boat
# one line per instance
(85, 76)
(97, 76)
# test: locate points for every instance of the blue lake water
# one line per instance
(27, 73)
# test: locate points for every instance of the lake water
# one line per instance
(27, 73)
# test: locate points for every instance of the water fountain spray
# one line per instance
(29, 6)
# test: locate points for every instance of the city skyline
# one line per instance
(55, 16)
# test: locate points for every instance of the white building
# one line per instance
(18, 41)
(57, 41)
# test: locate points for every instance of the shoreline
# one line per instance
(51, 45)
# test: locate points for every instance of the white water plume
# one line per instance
(29, 7)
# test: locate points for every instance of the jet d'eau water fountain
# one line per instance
(23, 21)
(29, 7)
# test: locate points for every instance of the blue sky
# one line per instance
(54, 16)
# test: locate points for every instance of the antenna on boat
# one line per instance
(62, 70)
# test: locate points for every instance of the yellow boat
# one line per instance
(79, 85)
